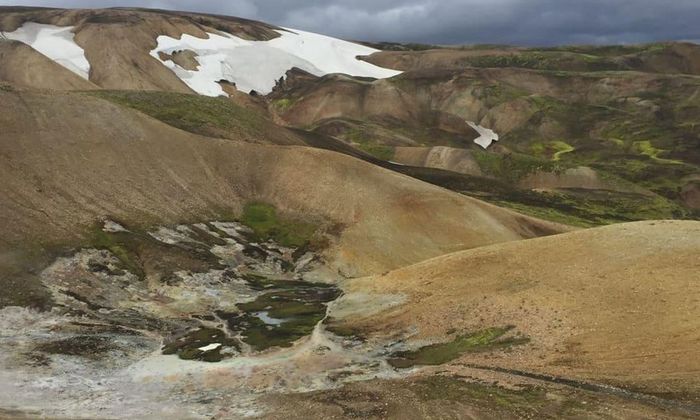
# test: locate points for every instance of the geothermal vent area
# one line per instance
(209, 217)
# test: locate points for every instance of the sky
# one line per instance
(517, 22)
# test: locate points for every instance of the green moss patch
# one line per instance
(378, 150)
(362, 141)
(646, 148)
(296, 307)
(512, 166)
(283, 104)
(560, 149)
(453, 389)
(133, 248)
(121, 245)
(268, 225)
(546, 60)
(437, 354)
(214, 117)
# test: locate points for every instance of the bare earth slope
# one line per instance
(617, 304)
(23, 66)
(68, 159)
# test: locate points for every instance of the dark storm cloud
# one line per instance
(527, 22)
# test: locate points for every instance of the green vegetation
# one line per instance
(494, 94)
(283, 104)
(215, 117)
(437, 354)
(359, 138)
(501, 402)
(395, 46)
(510, 167)
(546, 60)
(560, 148)
(132, 248)
(296, 306)
(556, 149)
(377, 150)
(569, 58)
(452, 389)
(121, 245)
(268, 225)
(258, 282)
(593, 207)
(645, 147)
(577, 207)
(607, 50)
(292, 301)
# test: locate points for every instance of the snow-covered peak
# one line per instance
(257, 65)
(55, 42)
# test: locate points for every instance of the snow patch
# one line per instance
(486, 135)
(267, 319)
(55, 42)
(257, 65)
(110, 226)
(212, 346)
(173, 236)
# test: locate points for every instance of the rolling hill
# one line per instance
(212, 217)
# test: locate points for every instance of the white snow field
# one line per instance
(257, 65)
(55, 42)
(486, 135)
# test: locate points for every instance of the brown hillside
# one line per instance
(617, 304)
(21, 65)
(69, 159)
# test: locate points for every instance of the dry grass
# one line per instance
(618, 304)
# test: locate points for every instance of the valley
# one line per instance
(211, 217)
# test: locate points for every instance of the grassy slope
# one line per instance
(213, 117)
(640, 133)
(266, 224)
(224, 118)
(650, 142)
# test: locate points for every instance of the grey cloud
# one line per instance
(523, 22)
